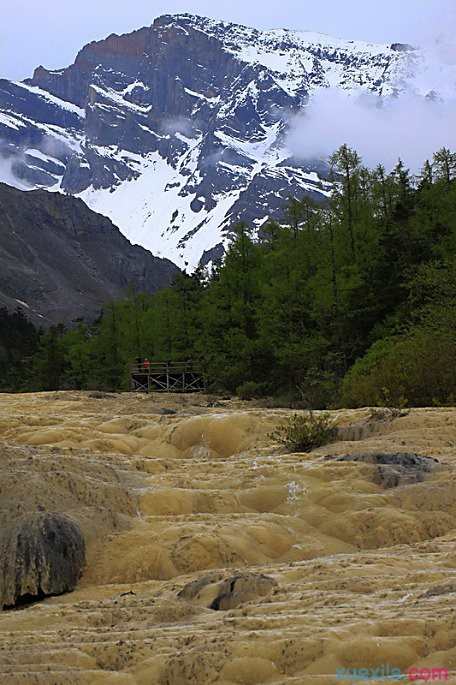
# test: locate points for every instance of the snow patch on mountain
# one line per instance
(163, 221)
(11, 121)
(69, 106)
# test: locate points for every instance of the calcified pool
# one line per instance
(215, 557)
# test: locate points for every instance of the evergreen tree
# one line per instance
(369, 276)
(346, 164)
(445, 165)
(49, 360)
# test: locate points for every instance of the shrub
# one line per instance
(285, 400)
(318, 389)
(250, 390)
(305, 432)
(413, 370)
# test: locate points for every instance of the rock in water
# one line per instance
(240, 589)
(222, 594)
(41, 554)
(395, 468)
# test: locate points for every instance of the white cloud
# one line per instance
(7, 174)
(408, 127)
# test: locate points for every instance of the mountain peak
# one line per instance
(178, 130)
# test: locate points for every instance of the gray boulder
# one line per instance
(42, 554)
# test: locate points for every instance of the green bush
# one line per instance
(318, 389)
(416, 370)
(305, 432)
(251, 390)
(284, 400)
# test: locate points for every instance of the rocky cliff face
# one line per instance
(178, 130)
(60, 261)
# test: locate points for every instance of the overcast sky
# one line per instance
(50, 32)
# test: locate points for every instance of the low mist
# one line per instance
(7, 174)
(382, 130)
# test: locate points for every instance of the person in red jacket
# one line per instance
(146, 365)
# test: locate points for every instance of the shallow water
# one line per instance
(365, 576)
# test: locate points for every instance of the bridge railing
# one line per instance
(167, 377)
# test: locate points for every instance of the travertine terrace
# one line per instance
(363, 575)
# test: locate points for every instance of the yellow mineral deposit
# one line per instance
(215, 557)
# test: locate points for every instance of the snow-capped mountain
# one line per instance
(178, 130)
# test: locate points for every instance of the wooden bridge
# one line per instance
(166, 377)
